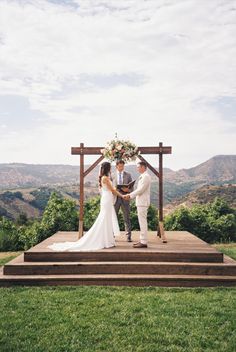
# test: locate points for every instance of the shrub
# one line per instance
(60, 215)
(9, 238)
(212, 222)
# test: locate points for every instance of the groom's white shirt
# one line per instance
(142, 193)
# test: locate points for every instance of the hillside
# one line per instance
(219, 169)
(36, 182)
(32, 201)
(205, 195)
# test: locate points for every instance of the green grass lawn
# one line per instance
(114, 319)
(117, 319)
(227, 248)
(7, 256)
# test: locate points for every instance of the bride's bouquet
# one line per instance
(120, 150)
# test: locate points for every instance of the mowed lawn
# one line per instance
(64, 319)
(117, 319)
(228, 249)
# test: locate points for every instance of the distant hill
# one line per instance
(36, 182)
(203, 195)
(219, 169)
(32, 201)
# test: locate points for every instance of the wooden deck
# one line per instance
(185, 261)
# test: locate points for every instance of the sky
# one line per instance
(151, 71)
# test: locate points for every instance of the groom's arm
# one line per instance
(142, 186)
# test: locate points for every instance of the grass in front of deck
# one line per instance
(117, 319)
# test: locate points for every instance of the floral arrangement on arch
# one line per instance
(120, 150)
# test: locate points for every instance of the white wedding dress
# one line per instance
(101, 234)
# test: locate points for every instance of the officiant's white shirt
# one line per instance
(143, 191)
(118, 176)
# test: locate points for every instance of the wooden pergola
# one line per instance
(82, 151)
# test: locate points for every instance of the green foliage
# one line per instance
(10, 196)
(31, 235)
(91, 211)
(212, 222)
(22, 219)
(92, 207)
(59, 215)
(152, 218)
(228, 249)
(42, 197)
(9, 237)
(4, 212)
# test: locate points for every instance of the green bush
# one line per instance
(29, 236)
(60, 215)
(9, 237)
(42, 197)
(10, 196)
(91, 211)
(212, 222)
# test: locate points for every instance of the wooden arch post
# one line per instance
(82, 151)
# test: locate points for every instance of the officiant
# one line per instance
(121, 177)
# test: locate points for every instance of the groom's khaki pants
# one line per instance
(142, 219)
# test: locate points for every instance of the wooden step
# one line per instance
(125, 256)
(182, 246)
(185, 261)
(18, 267)
(119, 280)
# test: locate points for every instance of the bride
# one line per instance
(102, 233)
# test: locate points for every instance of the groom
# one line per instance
(121, 177)
(142, 194)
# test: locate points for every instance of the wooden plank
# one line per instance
(81, 194)
(125, 256)
(143, 150)
(91, 167)
(100, 268)
(120, 280)
(161, 188)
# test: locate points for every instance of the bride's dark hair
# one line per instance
(104, 171)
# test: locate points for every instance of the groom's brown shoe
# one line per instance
(139, 245)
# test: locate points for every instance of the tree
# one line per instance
(212, 222)
(29, 236)
(60, 215)
(22, 219)
(9, 238)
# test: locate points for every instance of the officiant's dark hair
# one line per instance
(120, 162)
(104, 171)
(143, 163)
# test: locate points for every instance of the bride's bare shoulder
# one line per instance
(105, 179)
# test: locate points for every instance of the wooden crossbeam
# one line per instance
(97, 150)
(91, 167)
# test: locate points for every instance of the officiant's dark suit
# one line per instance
(121, 177)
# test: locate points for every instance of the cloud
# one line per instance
(149, 70)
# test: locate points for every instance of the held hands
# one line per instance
(126, 197)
